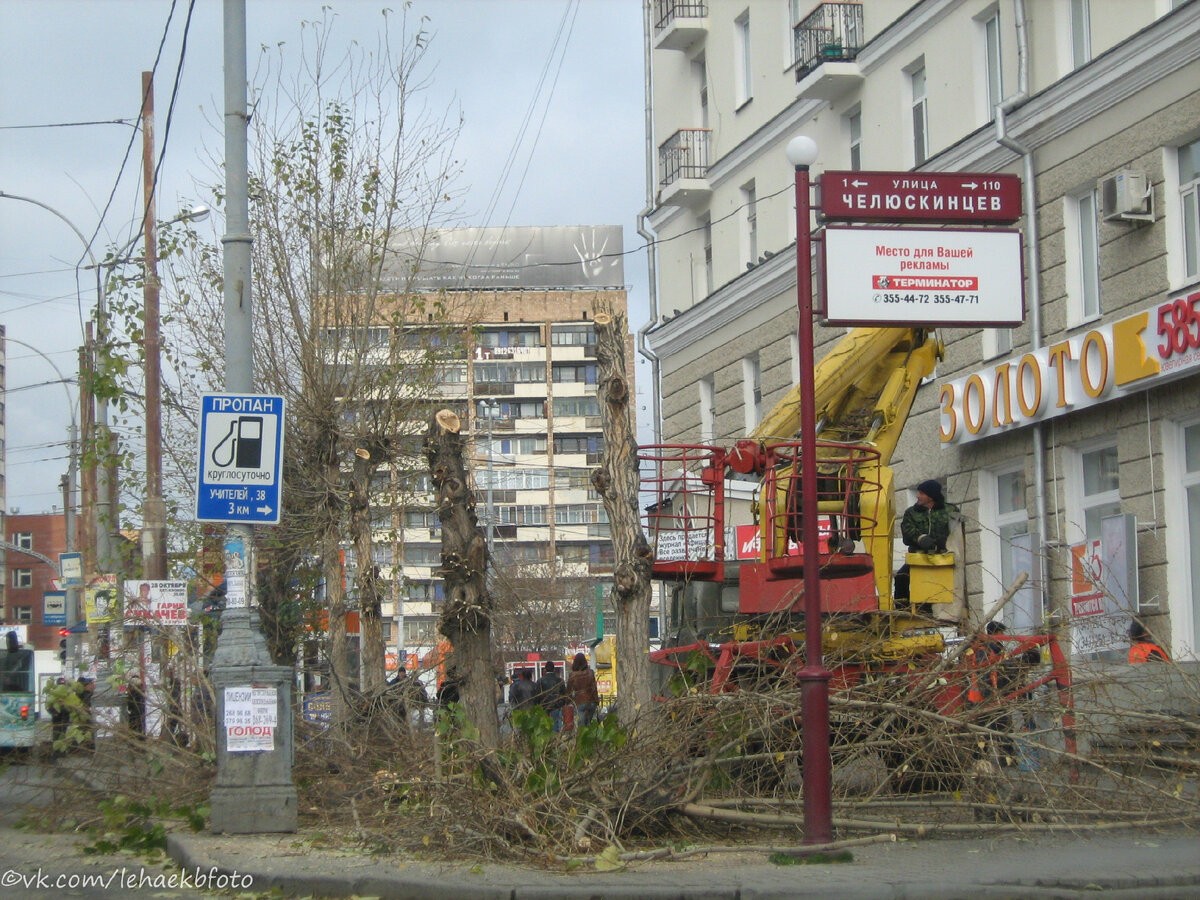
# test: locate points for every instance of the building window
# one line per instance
(997, 342)
(745, 89)
(22, 578)
(992, 61)
(854, 127)
(1005, 542)
(572, 335)
(23, 540)
(752, 390)
(1083, 261)
(23, 615)
(920, 116)
(419, 631)
(706, 231)
(1183, 467)
(794, 353)
(1101, 488)
(1189, 201)
(708, 411)
(750, 223)
(1081, 33)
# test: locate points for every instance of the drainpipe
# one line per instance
(1033, 255)
(645, 235)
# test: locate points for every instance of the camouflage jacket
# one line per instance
(934, 522)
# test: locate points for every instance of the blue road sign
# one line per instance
(241, 459)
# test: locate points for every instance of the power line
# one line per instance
(70, 124)
(133, 137)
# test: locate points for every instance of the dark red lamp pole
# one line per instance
(814, 677)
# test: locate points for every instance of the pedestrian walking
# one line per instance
(581, 686)
(552, 695)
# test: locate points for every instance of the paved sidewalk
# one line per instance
(1126, 865)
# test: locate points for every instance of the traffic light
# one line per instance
(62, 644)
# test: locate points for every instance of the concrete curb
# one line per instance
(925, 871)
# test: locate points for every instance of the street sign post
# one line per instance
(70, 570)
(950, 197)
(241, 458)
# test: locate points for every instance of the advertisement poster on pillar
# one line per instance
(923, 277)
(157, 602)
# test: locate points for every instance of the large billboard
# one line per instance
(535, 257)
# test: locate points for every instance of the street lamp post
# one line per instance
(254, 792)
(814, 677)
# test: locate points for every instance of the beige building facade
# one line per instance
(1070, 442)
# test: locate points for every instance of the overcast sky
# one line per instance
(80, 61)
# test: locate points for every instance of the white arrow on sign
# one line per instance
(265, 510)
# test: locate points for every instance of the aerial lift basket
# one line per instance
(683, 499)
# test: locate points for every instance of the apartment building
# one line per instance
(1071, 442)
(523, 380)
(31, 576)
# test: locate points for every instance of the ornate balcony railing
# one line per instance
(667, 12)
(684, 155)
(833, 32)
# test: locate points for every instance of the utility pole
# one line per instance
(154, 512)
(254, 791)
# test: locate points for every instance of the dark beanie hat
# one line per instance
(932, 490)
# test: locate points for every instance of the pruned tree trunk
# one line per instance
(370, 606)
(466, 618)
(617, 483)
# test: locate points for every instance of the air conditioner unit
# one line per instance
(1127, 196)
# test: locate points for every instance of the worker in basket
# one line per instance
(1142, 647)
(925, 528)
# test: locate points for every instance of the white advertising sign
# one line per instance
(680, 545)
(915, 276)
(251, 718)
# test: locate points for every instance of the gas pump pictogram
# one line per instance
(245, 444)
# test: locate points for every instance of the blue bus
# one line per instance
(18, 706)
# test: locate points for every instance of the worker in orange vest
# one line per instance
(1141, 647)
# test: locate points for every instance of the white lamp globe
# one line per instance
(802, 151)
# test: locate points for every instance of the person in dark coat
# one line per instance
(925, 528)
(552, 694)
(522, 690)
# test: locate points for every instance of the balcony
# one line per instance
(683, 161)
(678, 24)
(826, 45)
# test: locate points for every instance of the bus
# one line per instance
(18, 696)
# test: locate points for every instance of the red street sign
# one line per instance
(920, 197)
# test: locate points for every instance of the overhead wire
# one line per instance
(131, 124)
(133, 137)
(519, 139)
